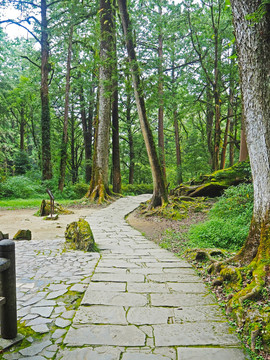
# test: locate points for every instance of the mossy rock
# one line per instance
(45, 209)
(79, 235)
(23, 235)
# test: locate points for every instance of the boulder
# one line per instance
(79, 235)
(23, 235)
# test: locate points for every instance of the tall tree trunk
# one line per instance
(253, 47)
(209, 124)
(87, 125)
(115, 116)
(72, 147)
(63, 159)
(22, 128)
(227, 129)
(175, 123)
(160, 195)
(161, 97)
(243, 155)
(178, 148)
(99, 186)
(44, 92)
(128, 90)
(216, 88)
(232, 143)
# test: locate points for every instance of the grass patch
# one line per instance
(13, 204)
(228, 223)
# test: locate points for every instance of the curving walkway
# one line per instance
(139, 302)
(144, 303)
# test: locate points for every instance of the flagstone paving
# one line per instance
(139, 302)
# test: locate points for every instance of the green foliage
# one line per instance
(20, 187)
(80, 190)
(137, 189)
(229, 220)
(22, 163)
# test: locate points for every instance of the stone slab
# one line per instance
(100, 315)
(35, 348)
(147, 288)
(106, 286)
(210, 354)
(5, 344)
(199, 288)
(112, 335)
(42, 329)
(149, 315)
(180, 299)
(114, 263)
(113, 298)
(183, 265)
(162, 278)
(142, 356)
(118, 277)
(86, 354)
(195, 334)
(198, 313)
(44, 311)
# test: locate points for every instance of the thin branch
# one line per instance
(49, 83)
(32, 62)
(53, 2)
(183, 65)
(27, 3)
(24, 27)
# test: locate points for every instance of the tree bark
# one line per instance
(115, 116)
(22, 128)
(209, 124)
(253, 46)
(161, 97)
(216, 88)
(99, 186)
(227, 128)
(63, 159)
(178, 148)
(44, 93)
(160, 195)
(243, 147)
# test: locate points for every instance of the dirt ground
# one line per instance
(23, 219)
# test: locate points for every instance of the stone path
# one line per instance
(141, 302)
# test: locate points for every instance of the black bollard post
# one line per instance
(8, 311)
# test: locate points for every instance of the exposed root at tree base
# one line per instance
(246, 293)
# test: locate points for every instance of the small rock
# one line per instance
(62, 323)
(23, 235)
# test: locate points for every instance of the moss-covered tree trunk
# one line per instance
(160, 195)
(99, 185)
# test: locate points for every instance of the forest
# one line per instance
(109, 97)
(50, 101)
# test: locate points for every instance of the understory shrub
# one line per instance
(137, 189)
(20, 187)
(229, 220)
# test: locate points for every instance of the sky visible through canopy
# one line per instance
(13, 31)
